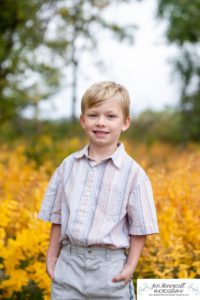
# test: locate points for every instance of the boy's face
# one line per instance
(104, 122)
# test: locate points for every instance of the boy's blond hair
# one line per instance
(106, 90)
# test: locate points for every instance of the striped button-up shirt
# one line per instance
(100, 203)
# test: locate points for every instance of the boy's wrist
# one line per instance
(52, 258)
(53, 254)
(130, 266)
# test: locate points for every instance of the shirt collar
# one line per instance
(117, 156)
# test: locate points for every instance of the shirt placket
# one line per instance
(85, 205)
(95, 234)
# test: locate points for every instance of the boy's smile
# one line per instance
(104, 122)
(100, 133)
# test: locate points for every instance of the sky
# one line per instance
(143, 67)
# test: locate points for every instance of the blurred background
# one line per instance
(51, 51)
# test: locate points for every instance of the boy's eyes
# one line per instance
(92, 115)
(110, 116)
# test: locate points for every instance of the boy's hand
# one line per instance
(50, 265)
(137, 243)
(125, 275)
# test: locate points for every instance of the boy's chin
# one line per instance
(103, 143)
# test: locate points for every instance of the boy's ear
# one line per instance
(126, 124)
(82, 122)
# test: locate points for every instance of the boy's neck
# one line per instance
(100, 153)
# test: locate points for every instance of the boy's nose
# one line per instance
(101, 121)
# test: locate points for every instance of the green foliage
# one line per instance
(24, 77)
(184, 30)
(37, 40)
(191, 117)
(183, 20)
(151, 126)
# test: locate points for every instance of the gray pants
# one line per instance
(86, 273)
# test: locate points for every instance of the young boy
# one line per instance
(100, 203)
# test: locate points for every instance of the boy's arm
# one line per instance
(137, 243)
(53, 249)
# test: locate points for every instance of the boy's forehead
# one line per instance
(111, 104)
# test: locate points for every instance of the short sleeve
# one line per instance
(141, 210)
(51, 205)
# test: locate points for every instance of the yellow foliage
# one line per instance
(174, 174)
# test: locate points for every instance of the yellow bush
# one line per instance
(174, 174)
(175, 253)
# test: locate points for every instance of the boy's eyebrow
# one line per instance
(108, 112)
